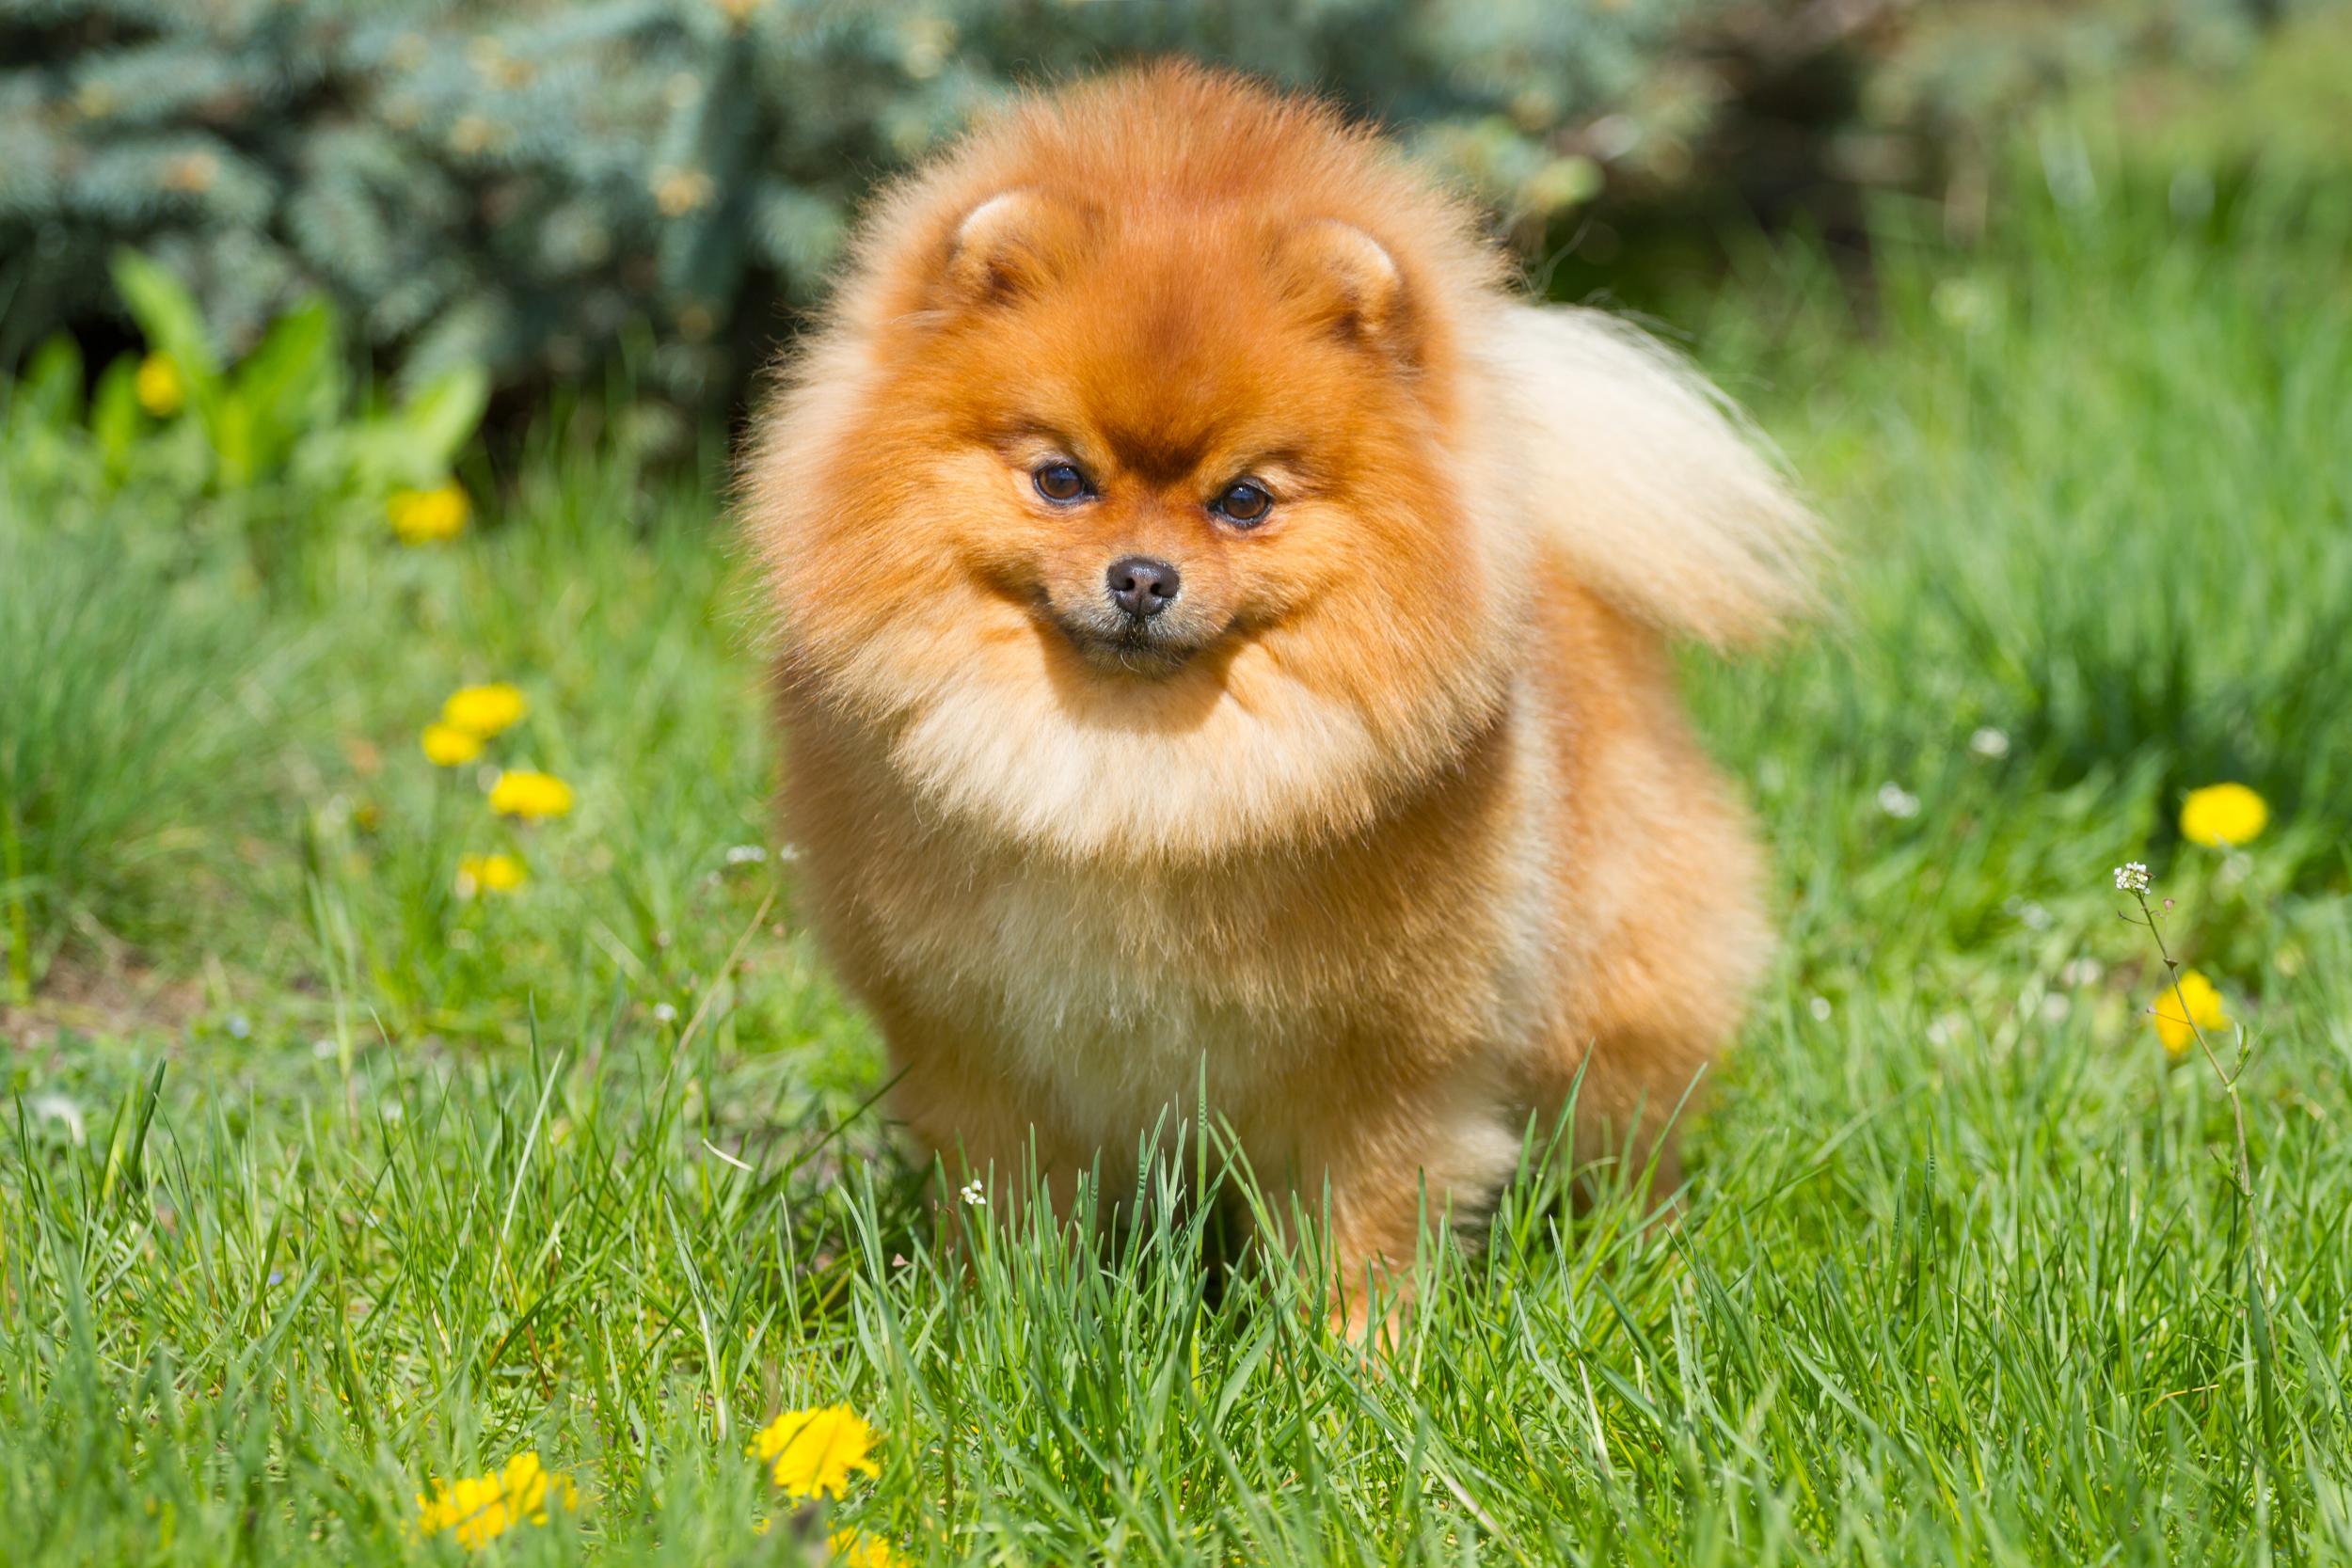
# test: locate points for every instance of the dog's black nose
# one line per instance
(1141, 586)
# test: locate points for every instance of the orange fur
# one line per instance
(1394, 825)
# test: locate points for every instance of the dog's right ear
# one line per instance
(1013, 243)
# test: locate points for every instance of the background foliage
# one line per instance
(538, 187)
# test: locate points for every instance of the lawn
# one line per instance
(332, 1168)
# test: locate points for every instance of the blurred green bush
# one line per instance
(147, 515)
(285, 414)
(533, 185)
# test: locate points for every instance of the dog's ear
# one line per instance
(1349, 282)
(1013, 243)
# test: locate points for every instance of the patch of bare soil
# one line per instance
(115, 996)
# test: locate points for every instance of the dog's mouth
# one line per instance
(1123, 644)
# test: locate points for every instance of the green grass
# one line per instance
(425, 1181)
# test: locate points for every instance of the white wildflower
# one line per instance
(2132, 877)
(1898, 802)
(746, 854)
(1989, 742)
(58, 1107)
(973, 1195)
(1818, 1006)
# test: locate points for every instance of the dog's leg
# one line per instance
(1361, 1191)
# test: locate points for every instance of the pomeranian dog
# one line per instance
(1225, 651)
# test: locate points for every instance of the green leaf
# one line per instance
(293, 383)
(414, 443)
(114, 413)
(442, 416)
(49, 392)
(167, 314)
(234, 441)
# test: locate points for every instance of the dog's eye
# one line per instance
(1061, 484)
(1244, 502)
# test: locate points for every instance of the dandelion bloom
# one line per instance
(428, 517)
(448, 746)
(2177, 1029)
(2223, 816)
(483, 711)
(521, 792)
(161, 389)
(857, 1549)
(812, 1453)
(492, 873)
(480, 1509)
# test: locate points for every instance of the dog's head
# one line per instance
(1124, 493)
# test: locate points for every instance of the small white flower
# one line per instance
(2035, 917)
(1898, 802)
(971, 1193)
(664, 1013)
(2055, 1005)
(746, 854)
(2132, 877)
(1818, 1006)
(1989, 742)
(58, 1107)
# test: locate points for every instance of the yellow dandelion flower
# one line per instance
(449, 746)
(492, 873)
(477, 1510)
(2223, 816)
(521, 792)
(857, 1549)
(161, 388)
(812, 1453)
(429, 516)
(2177, 1028)
(483, 711)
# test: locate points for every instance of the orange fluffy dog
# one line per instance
(1226, 650)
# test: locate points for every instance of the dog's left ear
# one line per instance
(1350, 282)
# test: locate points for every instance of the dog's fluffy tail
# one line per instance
(1649, 480)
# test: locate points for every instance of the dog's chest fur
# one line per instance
(1117, 1003)
(1111, 994)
